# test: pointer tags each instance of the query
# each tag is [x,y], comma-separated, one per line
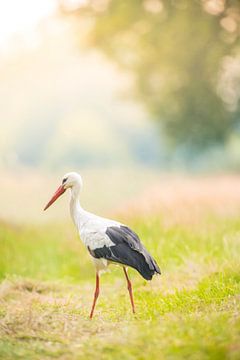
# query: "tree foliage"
[182,57]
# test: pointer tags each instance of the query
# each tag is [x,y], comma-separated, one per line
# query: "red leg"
[95,295]
[129,289]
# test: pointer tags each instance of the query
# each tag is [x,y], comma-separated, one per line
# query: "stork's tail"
[147,266]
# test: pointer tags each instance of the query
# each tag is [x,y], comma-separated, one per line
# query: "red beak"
[58,193]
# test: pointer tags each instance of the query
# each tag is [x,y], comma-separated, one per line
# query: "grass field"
[191,311]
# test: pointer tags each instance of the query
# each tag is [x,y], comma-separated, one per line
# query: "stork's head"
[70,180]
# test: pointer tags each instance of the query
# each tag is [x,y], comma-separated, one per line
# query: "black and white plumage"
[127,250]
[107,241]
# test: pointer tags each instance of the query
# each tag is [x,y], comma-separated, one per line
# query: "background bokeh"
[120,91]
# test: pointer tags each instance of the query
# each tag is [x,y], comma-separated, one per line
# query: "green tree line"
[183,58]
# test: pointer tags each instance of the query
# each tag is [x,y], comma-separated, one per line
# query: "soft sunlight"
[20,18]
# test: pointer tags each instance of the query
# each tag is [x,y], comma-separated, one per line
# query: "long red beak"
[58,193]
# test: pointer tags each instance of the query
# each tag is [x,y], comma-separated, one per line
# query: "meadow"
[191,311]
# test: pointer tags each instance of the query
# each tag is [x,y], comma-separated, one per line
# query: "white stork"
[107,241]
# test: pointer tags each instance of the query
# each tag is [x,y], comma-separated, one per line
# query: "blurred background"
[139,96]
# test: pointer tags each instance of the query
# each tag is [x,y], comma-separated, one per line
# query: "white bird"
[107,241]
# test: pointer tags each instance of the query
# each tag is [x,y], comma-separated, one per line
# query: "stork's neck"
[78,214]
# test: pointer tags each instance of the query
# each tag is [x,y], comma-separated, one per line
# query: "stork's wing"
[127,250]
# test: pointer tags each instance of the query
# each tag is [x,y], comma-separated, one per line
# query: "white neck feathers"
[77,213]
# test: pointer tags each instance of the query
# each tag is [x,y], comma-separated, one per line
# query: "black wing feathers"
[128,251]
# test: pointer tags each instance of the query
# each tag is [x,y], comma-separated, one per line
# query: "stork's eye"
[64,180]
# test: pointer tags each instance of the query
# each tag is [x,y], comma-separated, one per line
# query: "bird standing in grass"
[108,241]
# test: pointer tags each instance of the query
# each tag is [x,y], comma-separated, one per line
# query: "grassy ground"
[190,312]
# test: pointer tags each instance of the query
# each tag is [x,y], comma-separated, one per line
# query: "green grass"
[191,311]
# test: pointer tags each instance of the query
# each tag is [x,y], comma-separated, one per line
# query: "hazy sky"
[20,18]
[63,105]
